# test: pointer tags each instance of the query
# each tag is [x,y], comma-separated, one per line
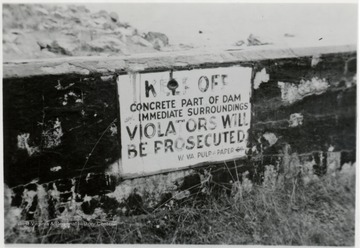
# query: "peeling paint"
[52,136]
[88,176]
[291,93]
[65,100]
[315,60]
[60,87]
[261,77]
[113,129]
[71,93]
[106,78]
[42,207]
[54,193]
[56,168]
[271,138]
[87,198]
[23,144]
[28,197]
[296,119]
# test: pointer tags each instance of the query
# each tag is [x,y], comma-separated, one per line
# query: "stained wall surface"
[62,136]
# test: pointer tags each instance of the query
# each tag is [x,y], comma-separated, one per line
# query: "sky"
[222,24]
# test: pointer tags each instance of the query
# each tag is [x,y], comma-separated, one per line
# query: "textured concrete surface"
[62,139]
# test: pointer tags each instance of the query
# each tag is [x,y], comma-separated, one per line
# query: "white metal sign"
[174,120]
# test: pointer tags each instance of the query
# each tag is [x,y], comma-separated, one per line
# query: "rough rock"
[159,40]
[240,43]
[253,40]
[106,44]
[45,31]
[114,17]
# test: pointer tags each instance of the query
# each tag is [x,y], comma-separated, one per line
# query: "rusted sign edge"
[160,61]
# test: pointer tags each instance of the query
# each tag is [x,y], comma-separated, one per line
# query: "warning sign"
[171,120]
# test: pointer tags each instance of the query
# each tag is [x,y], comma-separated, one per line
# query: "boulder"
[253,40]
[63,45]
[114,17]
[159,40]
[153,36]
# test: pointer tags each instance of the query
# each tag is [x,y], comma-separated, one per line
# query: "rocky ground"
[33,31]
[45,31]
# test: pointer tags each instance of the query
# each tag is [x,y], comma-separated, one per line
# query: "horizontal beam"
[159,61]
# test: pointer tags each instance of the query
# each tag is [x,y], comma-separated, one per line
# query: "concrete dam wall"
[111,136]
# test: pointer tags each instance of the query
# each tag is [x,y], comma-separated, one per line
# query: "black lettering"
[156,146]
[168,145]
[132,153]
[191,142]
[149,88]
[188,125]
[202,80]
[146,130]
[131,134]
[142,149]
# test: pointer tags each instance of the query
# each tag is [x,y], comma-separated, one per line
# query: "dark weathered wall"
[307,105]
[61,130]
[59,127]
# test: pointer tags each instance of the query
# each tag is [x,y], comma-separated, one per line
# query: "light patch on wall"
[56,168]
[106,78]
[60,87]
[315,60]
[54,193]
[296,119]
[42,208]
[271,138]
[87,198]
[52,136]
[65,100]
[23,144]
[114,168]
[291,93]
[28,197]
[113,129]
[261,77]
